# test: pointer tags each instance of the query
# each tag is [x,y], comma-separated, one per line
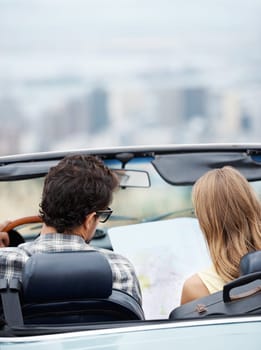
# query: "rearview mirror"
[132,178]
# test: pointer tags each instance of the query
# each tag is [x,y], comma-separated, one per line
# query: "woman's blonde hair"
[229,214]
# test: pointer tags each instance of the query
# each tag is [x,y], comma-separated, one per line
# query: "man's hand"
[4,238]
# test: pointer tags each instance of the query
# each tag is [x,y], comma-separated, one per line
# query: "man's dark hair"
[75,187]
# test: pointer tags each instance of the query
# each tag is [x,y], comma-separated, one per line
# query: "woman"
[229,214]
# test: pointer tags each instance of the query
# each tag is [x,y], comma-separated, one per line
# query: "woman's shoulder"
[193,288]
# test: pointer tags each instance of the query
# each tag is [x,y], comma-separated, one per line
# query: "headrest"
[250,263]
[66,276]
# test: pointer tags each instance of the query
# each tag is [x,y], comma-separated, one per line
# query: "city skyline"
[144,55]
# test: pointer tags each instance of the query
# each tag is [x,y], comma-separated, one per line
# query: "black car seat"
[72,287]
[250,263]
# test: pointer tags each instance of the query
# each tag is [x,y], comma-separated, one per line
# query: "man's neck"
[47,229]
[50,229]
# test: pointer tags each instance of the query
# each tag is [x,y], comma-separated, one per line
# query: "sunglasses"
[104,215]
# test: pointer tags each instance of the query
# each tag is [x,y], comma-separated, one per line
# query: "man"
[75,198]
[4,237]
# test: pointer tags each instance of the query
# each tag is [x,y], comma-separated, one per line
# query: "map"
[164,254]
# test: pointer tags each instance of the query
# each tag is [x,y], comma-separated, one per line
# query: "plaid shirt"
[12,260]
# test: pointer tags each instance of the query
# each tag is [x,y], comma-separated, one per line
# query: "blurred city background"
[85,73]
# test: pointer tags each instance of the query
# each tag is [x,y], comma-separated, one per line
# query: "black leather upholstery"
[63,275]
[73,287]
[250,263]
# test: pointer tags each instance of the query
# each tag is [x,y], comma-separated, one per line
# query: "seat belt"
[12,310]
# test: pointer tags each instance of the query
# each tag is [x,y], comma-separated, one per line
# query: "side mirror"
[132,178]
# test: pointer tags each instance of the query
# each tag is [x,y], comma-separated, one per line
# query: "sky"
[41,38]
[31,26]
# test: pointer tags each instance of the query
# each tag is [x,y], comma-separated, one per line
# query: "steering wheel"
[22,221]
[16,238]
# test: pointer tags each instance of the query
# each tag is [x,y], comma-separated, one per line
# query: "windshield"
[130,204]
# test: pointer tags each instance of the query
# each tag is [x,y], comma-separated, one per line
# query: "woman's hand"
[4,237]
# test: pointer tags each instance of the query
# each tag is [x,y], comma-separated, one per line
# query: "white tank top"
[211,279]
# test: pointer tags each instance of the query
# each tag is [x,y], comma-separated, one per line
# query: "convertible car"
[153,224]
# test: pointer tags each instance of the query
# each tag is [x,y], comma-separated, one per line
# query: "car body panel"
[212,334]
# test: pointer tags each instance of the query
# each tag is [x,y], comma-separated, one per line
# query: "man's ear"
[89,226]
[89,220]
